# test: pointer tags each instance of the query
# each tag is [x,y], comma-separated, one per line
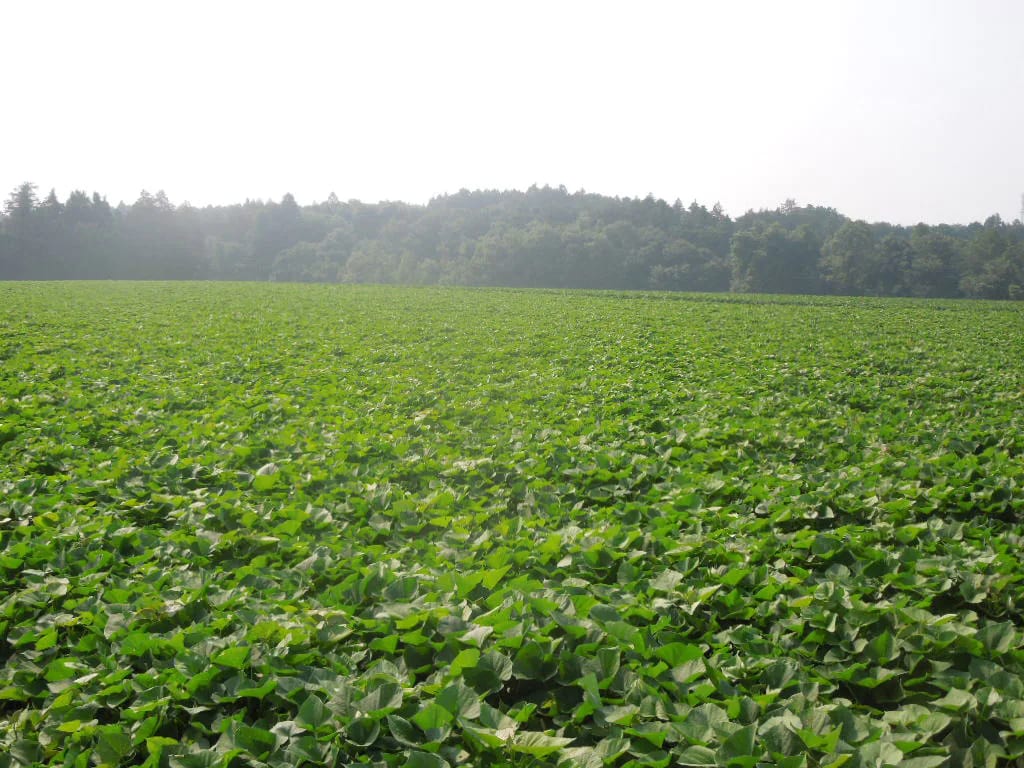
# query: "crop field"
[283,525]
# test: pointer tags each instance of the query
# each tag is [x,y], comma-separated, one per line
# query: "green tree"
[687,267]
[772,260]
[279,226]
[848,259]
[891,273]
[20,207]
[935,258]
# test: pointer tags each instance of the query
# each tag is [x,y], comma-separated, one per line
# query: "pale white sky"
[899,111]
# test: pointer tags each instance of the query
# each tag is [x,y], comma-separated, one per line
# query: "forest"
[541,237]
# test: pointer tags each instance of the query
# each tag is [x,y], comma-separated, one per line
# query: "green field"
[258,524]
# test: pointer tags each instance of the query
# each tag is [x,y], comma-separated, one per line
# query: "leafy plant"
[307,525]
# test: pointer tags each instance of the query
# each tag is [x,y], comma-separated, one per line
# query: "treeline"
[543,237]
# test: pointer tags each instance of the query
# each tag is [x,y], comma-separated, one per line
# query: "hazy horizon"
[899,113]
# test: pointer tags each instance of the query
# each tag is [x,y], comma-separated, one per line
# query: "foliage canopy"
[269,525]
[543,237]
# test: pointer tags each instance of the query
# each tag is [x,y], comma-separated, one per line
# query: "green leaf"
[234,657]
[139,644]
[999,638]
[610,748]
[265,482]
[883,648]
[477,636]
[418,759]
[822,742]
[925,761]
[256,741]
[492,576]
[460,700]
[957,699]
[604,666]
[205,758]
[112,744]
[676,654]
[388,644]
[47,640]
[305,748]
[734,576]
[532,662]
[432,716]
[697,755]
[490,673]
[536,743]
[312,714]
[580,757]
[362,731]
[403,732]
[27,751]
[465,659]
[619,715]
[258,692]
[667,580]
[287,730]
[880,753]
[386,697]
[739,744]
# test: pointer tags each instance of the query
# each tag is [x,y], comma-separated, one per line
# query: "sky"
[888,111]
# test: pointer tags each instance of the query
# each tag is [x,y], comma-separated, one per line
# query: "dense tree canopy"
[543,237]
